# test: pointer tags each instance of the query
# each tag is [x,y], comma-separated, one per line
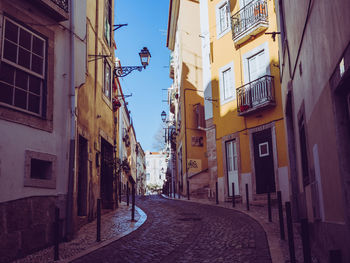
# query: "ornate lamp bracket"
[124,71]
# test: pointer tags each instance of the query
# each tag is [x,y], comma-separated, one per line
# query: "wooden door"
[232,166]
[263,162]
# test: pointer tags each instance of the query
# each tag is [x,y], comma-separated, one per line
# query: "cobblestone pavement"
[279,249]
[113,225]
[177,231]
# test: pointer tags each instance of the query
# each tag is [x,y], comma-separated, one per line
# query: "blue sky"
[147,26]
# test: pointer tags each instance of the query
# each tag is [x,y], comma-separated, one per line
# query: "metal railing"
[247,17]
[63,4]
[255,94]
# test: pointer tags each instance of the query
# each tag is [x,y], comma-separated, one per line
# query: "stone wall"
[26,225]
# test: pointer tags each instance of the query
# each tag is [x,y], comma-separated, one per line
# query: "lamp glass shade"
[144,57]
[163,115]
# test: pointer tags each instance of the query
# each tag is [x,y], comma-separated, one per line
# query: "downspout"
[187,181]
[69,221]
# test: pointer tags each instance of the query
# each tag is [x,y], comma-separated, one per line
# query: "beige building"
[95,129]
[314,64]
[187,97]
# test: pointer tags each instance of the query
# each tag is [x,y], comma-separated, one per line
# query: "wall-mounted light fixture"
[124,71]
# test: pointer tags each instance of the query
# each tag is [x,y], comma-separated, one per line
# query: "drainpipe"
[69,221]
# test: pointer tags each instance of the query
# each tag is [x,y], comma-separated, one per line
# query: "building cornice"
[172,23]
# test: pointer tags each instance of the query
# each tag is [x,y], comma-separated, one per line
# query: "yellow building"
[244,117]
[186,70]
[95,131]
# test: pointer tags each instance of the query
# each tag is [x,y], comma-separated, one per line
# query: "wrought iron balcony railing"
[250,20]
[255,95]
[56,9]
[63,4]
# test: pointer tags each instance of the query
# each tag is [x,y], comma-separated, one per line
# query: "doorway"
[232,166]
[106,185]
[263,162]
[82,183]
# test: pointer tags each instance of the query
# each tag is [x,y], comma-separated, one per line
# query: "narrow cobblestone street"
[178,231]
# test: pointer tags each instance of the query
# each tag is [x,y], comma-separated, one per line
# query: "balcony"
[255,95]
[57,9]
[249,21]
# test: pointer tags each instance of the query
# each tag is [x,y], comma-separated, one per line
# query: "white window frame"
[263,47]
[267,149]
[29,181]
[30,72]
[220,32]
[109,98]
[223,69]
[107,32]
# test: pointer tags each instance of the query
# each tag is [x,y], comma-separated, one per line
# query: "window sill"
[27,119]
[107,101]
[223,33]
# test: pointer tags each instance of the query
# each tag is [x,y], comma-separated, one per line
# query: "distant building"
[155,169]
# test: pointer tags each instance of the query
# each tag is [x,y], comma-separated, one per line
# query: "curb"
[275,250]
[132,228]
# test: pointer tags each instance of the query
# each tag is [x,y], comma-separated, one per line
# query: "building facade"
[140,171]
[95,129]
[244,117]
[39,74]
[187,94]
[314,64]
[155,170]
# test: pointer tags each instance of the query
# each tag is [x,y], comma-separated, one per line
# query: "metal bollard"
[178,194]
[188,190]
[280,215]
[269,206]
[305,240]
[57,233]
[233,195]
[217,193]
[133,203]
[98,221]
[290,233]
[120,192]
[335,256]
[127,193]
[247,196]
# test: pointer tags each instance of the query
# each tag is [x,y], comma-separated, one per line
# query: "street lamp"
[163,115]
[124,71]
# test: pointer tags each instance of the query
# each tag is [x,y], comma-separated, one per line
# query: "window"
[108,21]
[22,68]
[40,170]
[227,91]
[107,80]
[263,149]
[223,18]
[199,113]
[256,63]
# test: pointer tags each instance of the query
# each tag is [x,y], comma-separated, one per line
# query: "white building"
[40,43]
[156,166]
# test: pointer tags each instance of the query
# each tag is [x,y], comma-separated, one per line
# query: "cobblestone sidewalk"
[114,225]
[279,249]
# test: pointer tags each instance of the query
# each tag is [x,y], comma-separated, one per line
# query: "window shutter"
[228,14]
[217,11]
